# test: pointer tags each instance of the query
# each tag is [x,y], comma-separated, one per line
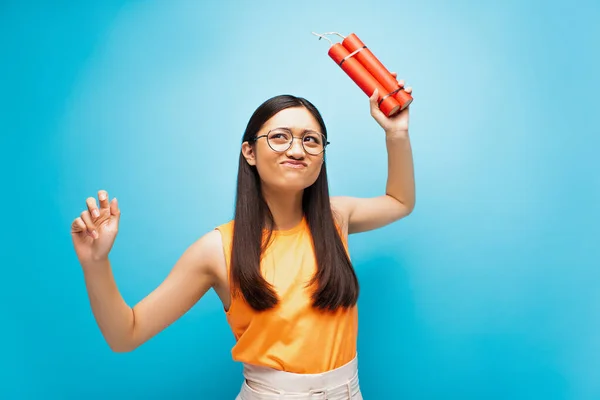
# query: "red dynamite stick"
[352,43]
[389,105]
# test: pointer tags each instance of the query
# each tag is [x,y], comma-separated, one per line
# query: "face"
[293,169]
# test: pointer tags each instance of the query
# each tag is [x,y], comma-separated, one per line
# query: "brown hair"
[337,285]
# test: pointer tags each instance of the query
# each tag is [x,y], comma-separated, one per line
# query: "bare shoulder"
[212,246]
[207,255]
[340,207]
[202,256]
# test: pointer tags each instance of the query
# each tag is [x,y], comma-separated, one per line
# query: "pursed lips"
[294,164]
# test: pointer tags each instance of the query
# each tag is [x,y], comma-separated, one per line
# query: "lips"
[294,164]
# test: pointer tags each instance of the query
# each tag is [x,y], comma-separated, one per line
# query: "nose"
[296,150]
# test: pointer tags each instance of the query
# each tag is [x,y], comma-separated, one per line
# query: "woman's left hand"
[397,124]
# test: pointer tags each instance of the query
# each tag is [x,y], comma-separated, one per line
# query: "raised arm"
[364,214]
[125,328]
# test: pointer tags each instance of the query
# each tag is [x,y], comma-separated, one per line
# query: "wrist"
[396,134]
[95,264]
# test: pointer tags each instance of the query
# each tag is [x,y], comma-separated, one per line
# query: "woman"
[283,274]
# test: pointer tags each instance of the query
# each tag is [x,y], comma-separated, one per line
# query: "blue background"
[489,290]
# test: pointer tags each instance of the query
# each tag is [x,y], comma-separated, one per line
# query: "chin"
[294,186]
[289,184]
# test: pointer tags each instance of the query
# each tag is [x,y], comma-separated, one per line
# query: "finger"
[114,207]
[103,197]
[89,225]
[374,97]
[373,100]
[78,225]
[92,208]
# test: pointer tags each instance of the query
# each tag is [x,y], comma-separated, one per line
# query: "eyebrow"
[290,129]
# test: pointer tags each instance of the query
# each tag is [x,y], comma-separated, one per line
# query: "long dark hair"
[336,282]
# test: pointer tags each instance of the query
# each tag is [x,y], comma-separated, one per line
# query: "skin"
[202,266]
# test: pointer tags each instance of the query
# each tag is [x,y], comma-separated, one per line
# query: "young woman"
[281,266]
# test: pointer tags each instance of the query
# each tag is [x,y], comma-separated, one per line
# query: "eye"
[312,138]
[279,137]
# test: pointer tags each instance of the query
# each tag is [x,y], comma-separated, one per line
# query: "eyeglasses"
[280,140]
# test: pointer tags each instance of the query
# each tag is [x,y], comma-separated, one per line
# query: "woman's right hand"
[95,230]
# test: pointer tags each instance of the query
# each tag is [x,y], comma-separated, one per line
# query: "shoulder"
[340,209]
[225,229]
[206,249]
[205,259]
[206,252]
[225,234]
[341,206]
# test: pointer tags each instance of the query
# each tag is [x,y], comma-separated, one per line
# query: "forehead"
[295,118]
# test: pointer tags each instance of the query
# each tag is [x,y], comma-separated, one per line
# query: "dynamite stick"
[357,51]
[363,78]
[376,68]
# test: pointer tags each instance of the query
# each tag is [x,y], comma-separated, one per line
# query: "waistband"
[269,380]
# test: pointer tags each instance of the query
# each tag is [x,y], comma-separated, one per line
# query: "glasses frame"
[266,135]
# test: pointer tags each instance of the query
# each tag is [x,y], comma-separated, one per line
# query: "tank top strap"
[226,231]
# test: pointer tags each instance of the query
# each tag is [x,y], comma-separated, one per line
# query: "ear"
[248,153]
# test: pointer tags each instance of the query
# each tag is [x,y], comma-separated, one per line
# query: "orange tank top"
[293,336]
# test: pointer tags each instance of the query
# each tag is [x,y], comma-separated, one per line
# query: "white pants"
[262,383]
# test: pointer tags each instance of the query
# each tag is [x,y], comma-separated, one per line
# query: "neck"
[286,208]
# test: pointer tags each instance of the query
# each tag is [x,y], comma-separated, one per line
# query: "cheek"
[265,171]
[314,170]
[317,171]
[266,163]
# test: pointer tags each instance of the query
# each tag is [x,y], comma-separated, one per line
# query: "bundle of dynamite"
[359,63]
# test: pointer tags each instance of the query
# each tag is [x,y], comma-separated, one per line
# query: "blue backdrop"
[489,290]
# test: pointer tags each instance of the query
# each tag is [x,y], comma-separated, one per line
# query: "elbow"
[409,207]
[123,344]
[122,347]
[406,207]
[406,203]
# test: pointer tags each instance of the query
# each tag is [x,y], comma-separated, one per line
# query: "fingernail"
[102,196]
[96,213]
[95,234]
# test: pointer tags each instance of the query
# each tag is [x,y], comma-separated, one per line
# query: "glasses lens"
[279,140]
[313,143]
